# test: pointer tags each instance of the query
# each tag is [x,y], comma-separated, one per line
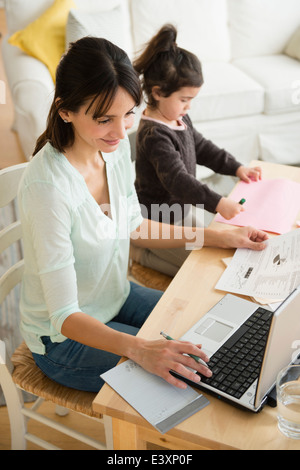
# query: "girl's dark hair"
[166,65]
[92,68]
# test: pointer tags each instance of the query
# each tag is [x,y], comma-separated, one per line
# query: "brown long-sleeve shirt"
[166,161]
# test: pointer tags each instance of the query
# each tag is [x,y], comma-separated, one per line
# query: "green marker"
[196,358]
[242,201]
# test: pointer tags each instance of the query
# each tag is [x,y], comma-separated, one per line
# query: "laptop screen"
[284,331]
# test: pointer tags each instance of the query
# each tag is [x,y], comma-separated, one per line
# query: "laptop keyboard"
[237,363]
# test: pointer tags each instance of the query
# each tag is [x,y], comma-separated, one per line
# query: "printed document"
[269,274]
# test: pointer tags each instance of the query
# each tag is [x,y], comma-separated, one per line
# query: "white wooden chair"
[26,375]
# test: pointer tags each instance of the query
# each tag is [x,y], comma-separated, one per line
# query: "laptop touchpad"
[213,329]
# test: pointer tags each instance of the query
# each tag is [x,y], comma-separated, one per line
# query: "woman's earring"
[65,120]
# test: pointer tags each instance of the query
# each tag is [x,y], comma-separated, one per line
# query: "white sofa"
[250,101]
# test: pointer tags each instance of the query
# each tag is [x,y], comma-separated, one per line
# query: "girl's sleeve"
[210,155]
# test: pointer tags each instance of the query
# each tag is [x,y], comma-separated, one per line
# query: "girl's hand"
[161,356]
[248,174]
[229,208]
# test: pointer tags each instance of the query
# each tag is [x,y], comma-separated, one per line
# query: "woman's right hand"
[161,356]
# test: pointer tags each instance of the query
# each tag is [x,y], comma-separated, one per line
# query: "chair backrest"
[9,183]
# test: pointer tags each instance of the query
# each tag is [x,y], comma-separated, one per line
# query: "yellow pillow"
[44,38]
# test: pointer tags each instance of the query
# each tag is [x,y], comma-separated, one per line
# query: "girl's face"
[177,104]
[103,133]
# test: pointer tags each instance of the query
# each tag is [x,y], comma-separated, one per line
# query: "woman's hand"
[244,237]
[161,356]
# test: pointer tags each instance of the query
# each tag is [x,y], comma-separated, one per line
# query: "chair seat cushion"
[29,377]
[150,277]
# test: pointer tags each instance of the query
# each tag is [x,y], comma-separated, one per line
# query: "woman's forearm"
[157,356]
[87,330]
[152,234]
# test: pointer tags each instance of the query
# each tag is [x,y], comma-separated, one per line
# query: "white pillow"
[102,5]
[261,27]
[293,47]
[19,13]
[109,24]
[201,24]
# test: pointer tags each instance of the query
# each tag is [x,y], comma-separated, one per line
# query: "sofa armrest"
[32,91]
[31,107]
[31,98]
[21,67]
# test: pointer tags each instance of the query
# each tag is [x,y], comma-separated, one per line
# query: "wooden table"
[220,425]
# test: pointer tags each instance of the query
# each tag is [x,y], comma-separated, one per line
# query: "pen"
[242,201]
[196,358]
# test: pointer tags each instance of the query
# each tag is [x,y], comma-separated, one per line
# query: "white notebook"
[160,403]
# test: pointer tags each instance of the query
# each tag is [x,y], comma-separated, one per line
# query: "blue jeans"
[78,366]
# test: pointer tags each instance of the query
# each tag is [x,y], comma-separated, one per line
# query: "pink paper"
[271,205]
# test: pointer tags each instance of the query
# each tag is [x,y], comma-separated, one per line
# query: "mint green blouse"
[76,257]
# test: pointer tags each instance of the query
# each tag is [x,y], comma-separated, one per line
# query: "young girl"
[78,207]
[168,147]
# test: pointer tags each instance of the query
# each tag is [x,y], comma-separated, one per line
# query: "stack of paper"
[271,274]
[271,205]
[160,403]
[272,303]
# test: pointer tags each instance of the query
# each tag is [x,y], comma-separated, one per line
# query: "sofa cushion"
[44,38]
[278,74]
[261,27]
[279,138]
[19,13]
[292,48]
[111,24]
[227,92]
[207,18]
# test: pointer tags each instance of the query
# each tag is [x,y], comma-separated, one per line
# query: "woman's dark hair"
[92,69]
[167,66]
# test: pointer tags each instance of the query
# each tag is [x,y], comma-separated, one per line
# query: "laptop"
[247,345]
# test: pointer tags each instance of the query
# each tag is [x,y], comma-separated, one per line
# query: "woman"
[78,209]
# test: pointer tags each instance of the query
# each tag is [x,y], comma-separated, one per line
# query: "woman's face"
[103,133]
